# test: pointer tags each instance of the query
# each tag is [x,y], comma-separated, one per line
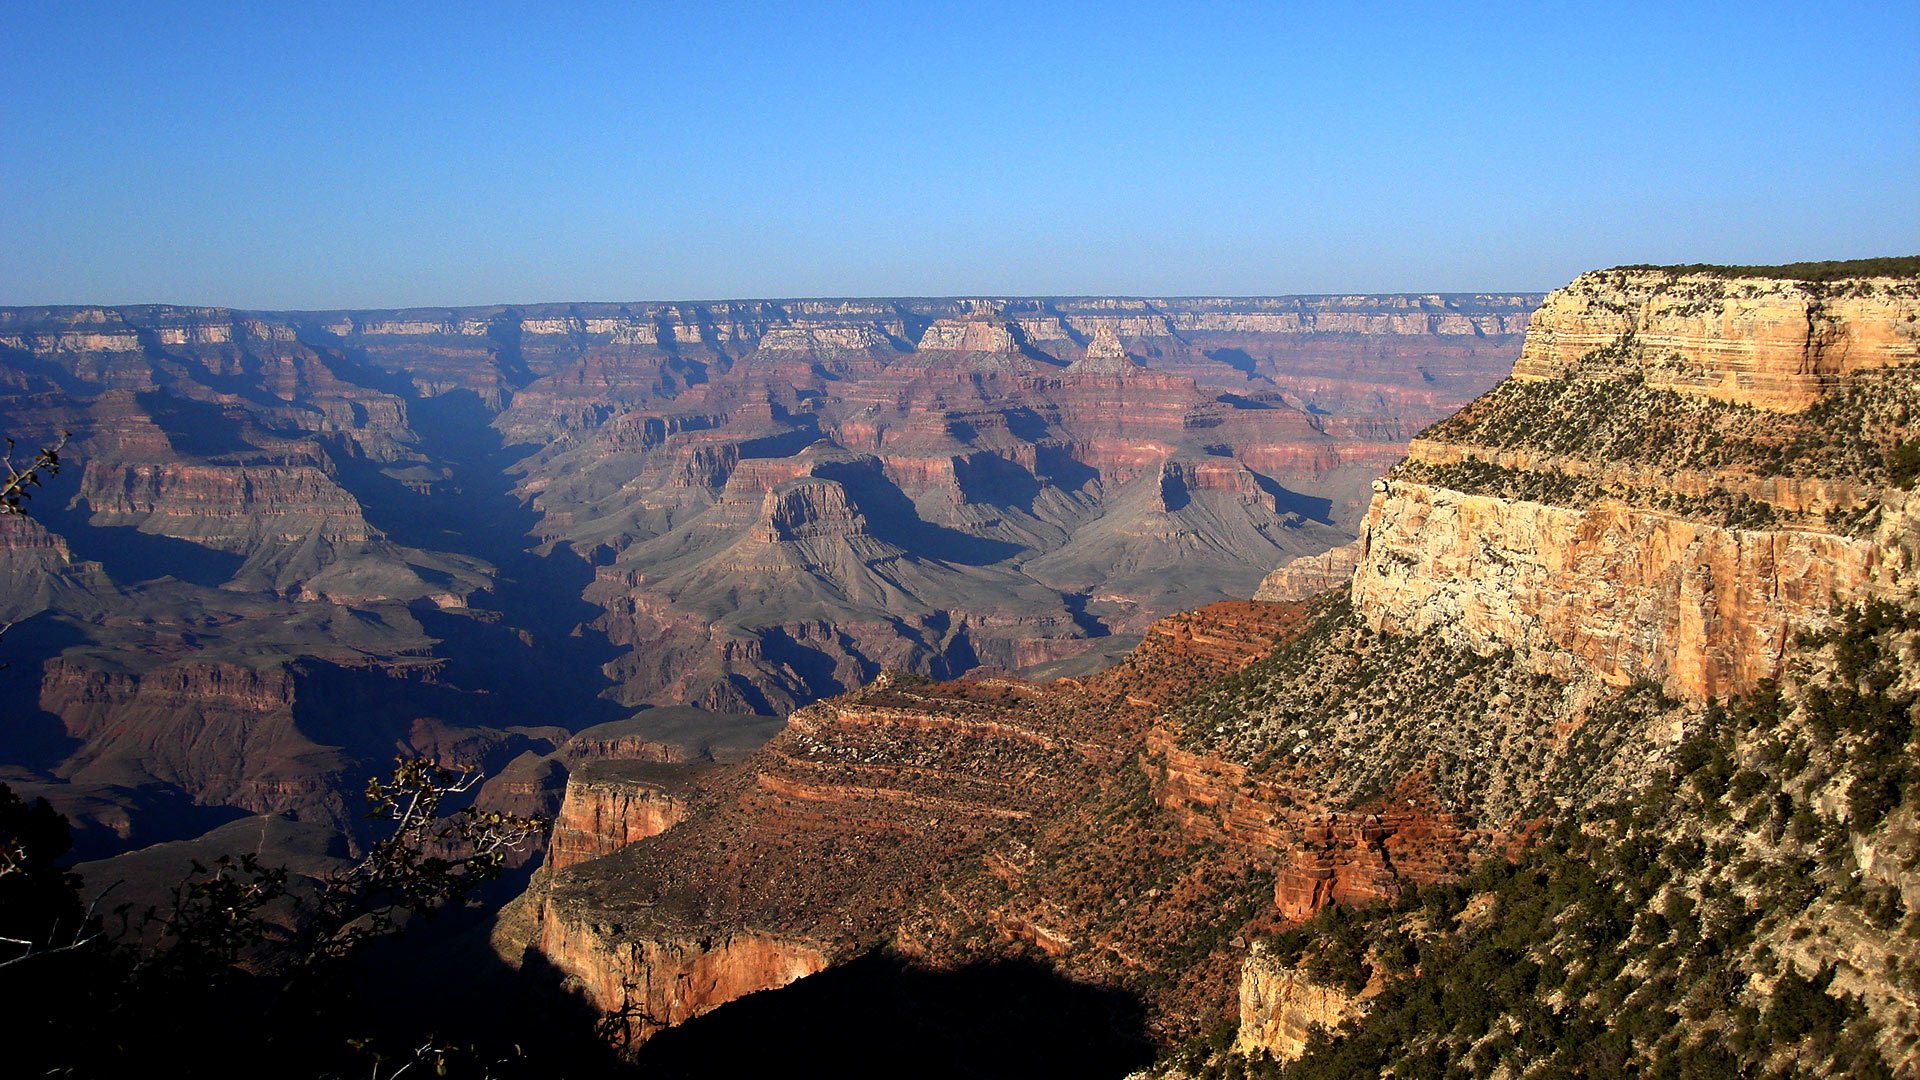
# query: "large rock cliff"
[1280,1007]
[838,835]
[1683,471]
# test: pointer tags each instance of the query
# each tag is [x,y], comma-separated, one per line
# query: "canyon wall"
[1310,575]
[1703,609]
[609,805]
[654,983]
[1771,343]
[1683,471]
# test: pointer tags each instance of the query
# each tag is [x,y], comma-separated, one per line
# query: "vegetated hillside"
[1563,783]
[1829,270]
[1743,911]
[1695,485]
[288,545]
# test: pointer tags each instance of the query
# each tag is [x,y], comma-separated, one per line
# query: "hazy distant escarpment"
[289,543]
[1596,759]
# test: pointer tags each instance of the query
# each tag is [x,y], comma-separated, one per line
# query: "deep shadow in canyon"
[526,639]
[881,1016]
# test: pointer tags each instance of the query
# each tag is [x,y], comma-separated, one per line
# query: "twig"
[13,490]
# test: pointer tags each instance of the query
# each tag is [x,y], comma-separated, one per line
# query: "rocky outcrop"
[1280,1007]
[227,508]
[1770,343]
[799,859]
[969,335]
[1702,609]
[824,842]
[643,986]
[1310,575]
[1105,355]
[609,805]
[1319,855]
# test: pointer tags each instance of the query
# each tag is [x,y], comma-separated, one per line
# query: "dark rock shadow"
[1239,402]
[992,479]
[129,555]
[1288,501]
[32,364]
[1088,623]
[893,518]
[1237,359]
[1060,468]
[785,444]
[1025,424]
[881,1016]
[199,428]
[159,813]
[815,669]
[1031,351]
[29,735]
[371,715]
[1174,494]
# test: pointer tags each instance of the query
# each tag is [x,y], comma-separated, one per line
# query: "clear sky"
[400,153]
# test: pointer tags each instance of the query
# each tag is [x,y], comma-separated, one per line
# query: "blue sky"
[362,155]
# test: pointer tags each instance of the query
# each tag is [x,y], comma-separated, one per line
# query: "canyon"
[870,651]
[1672,509]
[290,545]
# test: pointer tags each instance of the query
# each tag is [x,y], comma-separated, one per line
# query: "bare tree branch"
[79,940]
[13,488]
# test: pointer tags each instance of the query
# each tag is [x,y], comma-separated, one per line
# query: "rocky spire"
[1105,354]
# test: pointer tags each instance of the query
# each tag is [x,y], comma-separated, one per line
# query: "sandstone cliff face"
[1310,575]
[1773,344]
[1280,1008]
[1319,856]
[646,985]
[1617,509]
[1703,610]
[608,806]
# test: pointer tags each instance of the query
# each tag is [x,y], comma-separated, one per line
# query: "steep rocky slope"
[290,545]
[820,846]
[1505,746]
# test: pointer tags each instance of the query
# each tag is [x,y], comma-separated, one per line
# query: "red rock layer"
[813,848]
[611,805]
